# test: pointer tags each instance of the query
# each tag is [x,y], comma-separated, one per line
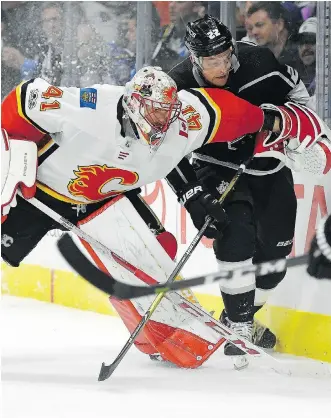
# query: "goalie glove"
[319,264]
[304,142]
[19,160]
[200,203]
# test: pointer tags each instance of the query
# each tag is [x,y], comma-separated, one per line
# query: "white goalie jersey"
[89,157]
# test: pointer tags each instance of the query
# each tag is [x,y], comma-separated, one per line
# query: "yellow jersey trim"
[218,114]
[46,147]
[59,196]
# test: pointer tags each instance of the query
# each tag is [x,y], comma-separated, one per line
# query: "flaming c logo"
[169,94]
[91,181]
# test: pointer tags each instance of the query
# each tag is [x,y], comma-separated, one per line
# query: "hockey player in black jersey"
[319,264]
[262,209]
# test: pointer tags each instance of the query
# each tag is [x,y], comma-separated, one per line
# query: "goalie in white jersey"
[94,147]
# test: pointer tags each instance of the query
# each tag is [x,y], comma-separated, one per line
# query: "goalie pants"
[262,214]
[27,225]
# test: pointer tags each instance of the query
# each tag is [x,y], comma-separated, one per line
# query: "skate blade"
[240,362]
[157,357]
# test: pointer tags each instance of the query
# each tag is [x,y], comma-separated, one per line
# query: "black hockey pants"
[262,214]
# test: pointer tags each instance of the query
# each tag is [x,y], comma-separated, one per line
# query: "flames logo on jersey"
[91,181]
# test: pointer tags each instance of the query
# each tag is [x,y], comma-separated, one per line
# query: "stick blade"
[105,372]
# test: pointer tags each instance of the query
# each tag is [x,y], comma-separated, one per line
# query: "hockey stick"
[174,297]
[82,264]
[192,309]
[107,370]
[121,290]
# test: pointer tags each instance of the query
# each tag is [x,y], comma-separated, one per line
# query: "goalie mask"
[151,102]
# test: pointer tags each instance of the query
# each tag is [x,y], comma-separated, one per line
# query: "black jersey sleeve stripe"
[211,111]
[22,99]
[47,153]
[264,77]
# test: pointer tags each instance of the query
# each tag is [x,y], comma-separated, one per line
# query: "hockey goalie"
[85,153]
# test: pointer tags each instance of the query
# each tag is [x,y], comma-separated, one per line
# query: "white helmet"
[152,103]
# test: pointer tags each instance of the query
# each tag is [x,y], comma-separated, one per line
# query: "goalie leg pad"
[169,243]
[178,346]
[130,238]
[187,350]
[131,318]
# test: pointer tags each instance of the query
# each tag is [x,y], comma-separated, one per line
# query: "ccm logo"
[284,243]
[190,193]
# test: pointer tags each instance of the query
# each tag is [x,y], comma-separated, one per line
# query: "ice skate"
[244,329]
[261,336]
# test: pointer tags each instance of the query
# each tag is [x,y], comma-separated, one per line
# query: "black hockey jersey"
[259,78]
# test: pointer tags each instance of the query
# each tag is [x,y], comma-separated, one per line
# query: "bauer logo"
[88,98]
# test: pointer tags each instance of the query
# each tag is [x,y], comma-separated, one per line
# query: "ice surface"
[51,358]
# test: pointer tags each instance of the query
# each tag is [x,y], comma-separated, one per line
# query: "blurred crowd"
[85,43]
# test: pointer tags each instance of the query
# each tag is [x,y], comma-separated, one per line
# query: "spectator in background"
[306,65]
[50,60]
[307,9]
[22,33]
[122,52]
[271,27]
[11,61]
[242,19]
[294,13]
[106,43]
[117,57]
[47,62]
[93,56]
[19,42]
[170,49]
[162,8]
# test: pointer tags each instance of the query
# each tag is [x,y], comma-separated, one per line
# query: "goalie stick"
[66,244]
[280,366]
[107,370]
[121,290]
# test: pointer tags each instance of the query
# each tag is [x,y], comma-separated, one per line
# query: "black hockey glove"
[319,264]
[200,203]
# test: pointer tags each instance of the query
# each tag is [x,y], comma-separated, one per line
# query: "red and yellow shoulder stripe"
[14,118]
